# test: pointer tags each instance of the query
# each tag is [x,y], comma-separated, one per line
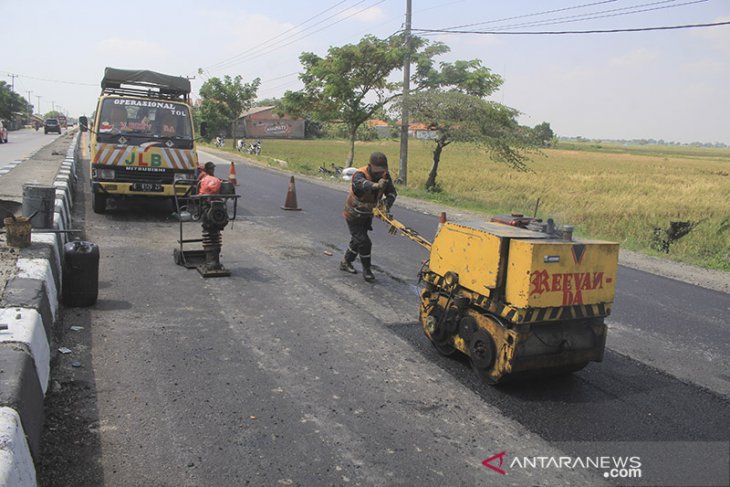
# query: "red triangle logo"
[487,463]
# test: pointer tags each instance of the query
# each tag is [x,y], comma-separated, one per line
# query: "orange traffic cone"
[291,197]
[442,220]
[232,174]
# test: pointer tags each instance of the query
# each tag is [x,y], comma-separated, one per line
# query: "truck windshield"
[145,118]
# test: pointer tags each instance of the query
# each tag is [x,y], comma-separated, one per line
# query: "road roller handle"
[395,226]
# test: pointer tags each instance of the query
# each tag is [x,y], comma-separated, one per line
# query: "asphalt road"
[24,143]
[291,372]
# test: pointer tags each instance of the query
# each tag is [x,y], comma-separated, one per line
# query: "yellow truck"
[516,295]
[142,138]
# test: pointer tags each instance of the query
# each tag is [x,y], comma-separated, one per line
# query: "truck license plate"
[147,187]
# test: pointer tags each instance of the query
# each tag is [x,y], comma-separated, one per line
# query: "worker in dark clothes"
[370,184]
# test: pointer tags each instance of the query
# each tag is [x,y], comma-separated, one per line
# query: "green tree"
[224,100]
[455,116]
[454,108]
[468,77]
[351,84]
[267,102]
[10,102]
[543,135]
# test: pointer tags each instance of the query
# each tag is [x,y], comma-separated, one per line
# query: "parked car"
[3,133]
[52,125]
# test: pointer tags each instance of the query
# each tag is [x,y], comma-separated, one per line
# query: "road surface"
[291,372]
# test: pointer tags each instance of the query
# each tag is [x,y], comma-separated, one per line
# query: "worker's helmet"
[378,163]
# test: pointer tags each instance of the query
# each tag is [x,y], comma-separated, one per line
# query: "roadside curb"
[29,311]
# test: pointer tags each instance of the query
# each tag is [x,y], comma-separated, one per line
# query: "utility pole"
[30,104]
[12,90]
[39,105]
[403,169]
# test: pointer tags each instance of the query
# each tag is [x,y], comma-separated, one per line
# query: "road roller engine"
[517,295]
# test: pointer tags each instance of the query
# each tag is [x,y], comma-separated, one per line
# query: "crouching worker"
[207,182]
[370,184]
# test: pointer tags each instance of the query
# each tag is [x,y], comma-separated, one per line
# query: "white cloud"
[717,37]
[131,47]
[640,57]
[372,14]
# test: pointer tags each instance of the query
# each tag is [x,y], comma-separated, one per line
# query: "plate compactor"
[516,295]
[213,213]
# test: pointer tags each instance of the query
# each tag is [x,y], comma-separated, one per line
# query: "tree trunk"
[431,181]
[351,155]
[233,135]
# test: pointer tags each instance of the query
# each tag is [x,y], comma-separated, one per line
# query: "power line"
[291,83]
[272,49]
[257,50]
[617,12]
[606,31]
[280,77]
[545,12]
[271,89]
[276,36]
[53,80]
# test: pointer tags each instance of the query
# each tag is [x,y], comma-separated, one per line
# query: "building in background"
[263,122]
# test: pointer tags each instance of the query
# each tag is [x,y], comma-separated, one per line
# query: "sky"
[672,85]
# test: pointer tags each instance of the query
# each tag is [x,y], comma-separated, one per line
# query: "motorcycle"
[255,148]
[220,142]
[335,171]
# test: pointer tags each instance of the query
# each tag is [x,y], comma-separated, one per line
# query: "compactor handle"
[395,226]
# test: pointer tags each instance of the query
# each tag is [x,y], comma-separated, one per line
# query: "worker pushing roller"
[370,184]
[516,295]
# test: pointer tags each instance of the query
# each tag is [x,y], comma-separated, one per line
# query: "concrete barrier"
[30,309]
[16,464]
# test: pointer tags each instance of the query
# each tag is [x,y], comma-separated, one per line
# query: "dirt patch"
[8,260]
[70,434]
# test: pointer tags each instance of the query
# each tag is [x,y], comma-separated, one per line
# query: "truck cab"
[142,137]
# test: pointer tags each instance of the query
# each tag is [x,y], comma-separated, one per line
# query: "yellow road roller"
[517,295]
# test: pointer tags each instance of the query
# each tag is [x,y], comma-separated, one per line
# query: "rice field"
[606,191]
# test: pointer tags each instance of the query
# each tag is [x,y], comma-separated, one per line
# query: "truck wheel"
[98,202]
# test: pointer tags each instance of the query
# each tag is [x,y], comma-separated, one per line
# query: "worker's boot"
[367,272]
[346,264]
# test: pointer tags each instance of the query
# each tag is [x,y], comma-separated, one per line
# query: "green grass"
[611,192]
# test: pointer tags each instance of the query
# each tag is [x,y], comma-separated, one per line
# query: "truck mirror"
[204,129]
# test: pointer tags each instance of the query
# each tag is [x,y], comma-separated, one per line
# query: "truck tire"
[98,202]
